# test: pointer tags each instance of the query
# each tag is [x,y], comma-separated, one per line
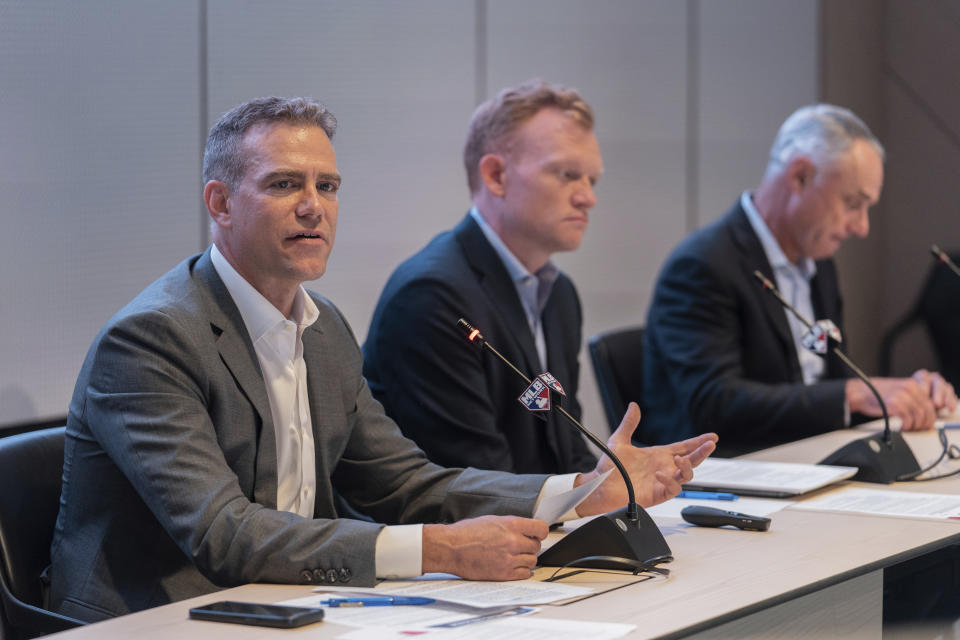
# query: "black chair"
[31,466]
[617,358]
[938,310]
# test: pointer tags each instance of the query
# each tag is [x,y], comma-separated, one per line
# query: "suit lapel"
[499,288]
[753,257]
[323,391]
[237,352]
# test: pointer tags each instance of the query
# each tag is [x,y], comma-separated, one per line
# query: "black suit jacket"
[457,402]
[718,355]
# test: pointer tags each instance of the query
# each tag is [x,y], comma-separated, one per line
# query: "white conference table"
[812,574]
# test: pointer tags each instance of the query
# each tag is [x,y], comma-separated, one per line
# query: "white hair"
[820,132]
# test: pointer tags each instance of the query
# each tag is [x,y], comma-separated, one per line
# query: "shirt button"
[345,575]
[306,576]
[331,575]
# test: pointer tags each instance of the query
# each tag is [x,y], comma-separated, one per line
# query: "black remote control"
[714,517]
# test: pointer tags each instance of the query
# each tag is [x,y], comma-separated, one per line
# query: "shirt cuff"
[555,485]
[399,551]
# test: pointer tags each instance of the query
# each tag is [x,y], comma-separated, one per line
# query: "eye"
[330,187]
[568,175]
[854,204]
[283,184]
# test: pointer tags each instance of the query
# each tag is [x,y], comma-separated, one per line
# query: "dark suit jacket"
[457,402]
[170,479]
[718,355]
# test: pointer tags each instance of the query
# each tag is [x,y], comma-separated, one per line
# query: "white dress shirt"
[793,281]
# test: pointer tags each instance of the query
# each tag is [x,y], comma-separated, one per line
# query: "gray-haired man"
[720,354]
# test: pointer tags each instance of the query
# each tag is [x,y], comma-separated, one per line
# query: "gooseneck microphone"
[941,255]
[627,533]
[882,458]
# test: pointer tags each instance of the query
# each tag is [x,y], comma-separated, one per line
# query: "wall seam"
[204,107]
[480,51]
[693,115]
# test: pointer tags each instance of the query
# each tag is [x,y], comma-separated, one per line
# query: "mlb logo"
[818,337]
[552,382]
[536,397]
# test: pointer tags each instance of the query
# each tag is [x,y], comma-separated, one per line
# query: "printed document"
[887,502]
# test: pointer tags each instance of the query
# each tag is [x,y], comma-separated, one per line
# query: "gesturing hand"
[657,472]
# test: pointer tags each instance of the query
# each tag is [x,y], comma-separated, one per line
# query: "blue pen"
[951,425]
[706,495]
[377,601]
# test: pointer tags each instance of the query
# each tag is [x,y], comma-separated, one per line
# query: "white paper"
[476,593]
[887,502]
[750,506]
[788,477]
[518,628]
[552,508]
[415,616]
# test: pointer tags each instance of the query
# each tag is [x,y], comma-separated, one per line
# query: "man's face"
[835,203]
[282,216]
[551,169]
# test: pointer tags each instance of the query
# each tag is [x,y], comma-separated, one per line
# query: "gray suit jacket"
[170,480]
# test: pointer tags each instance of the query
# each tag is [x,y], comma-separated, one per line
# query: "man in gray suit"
[221,428]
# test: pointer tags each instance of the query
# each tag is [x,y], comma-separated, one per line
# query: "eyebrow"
[292,173]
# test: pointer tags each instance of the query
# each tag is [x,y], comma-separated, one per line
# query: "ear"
[800,173]
[492,169]
[216,195]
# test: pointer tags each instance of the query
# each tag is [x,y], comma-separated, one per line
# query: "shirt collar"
[775,255]
[547,274]
[259,315]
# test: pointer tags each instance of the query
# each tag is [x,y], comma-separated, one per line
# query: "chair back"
[617,358]
[938,310]
[31,467]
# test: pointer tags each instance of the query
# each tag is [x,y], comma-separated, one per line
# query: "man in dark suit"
[220,422]
[532,162]
[721,354]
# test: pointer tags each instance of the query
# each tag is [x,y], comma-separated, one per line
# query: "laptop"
[765,479]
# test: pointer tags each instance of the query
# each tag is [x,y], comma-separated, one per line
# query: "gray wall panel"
[757,63]
[98,177]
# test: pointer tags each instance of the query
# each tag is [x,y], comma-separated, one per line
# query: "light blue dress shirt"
[533,289]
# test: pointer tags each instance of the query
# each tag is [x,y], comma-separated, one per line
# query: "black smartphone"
[261,615]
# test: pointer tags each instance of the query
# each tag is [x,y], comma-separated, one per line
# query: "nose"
[584,196]
[311,205]
[860,223]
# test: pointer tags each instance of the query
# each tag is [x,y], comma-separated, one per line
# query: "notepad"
[765,479]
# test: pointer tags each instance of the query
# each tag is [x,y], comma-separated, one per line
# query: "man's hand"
[485,548]
[657,472]
[940,391]
[915,400]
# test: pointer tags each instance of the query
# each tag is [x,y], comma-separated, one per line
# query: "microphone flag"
[536,397]
[820,335]
[552,382]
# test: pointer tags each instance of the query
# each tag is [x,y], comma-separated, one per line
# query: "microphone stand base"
[610,534]
[878,461]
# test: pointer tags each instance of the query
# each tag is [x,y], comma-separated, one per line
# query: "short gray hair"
[222,159]
[819,131]
[494,122]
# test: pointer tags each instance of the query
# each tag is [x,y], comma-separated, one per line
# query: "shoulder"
[174,298]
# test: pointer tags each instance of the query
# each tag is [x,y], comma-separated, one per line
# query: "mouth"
[308,236]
